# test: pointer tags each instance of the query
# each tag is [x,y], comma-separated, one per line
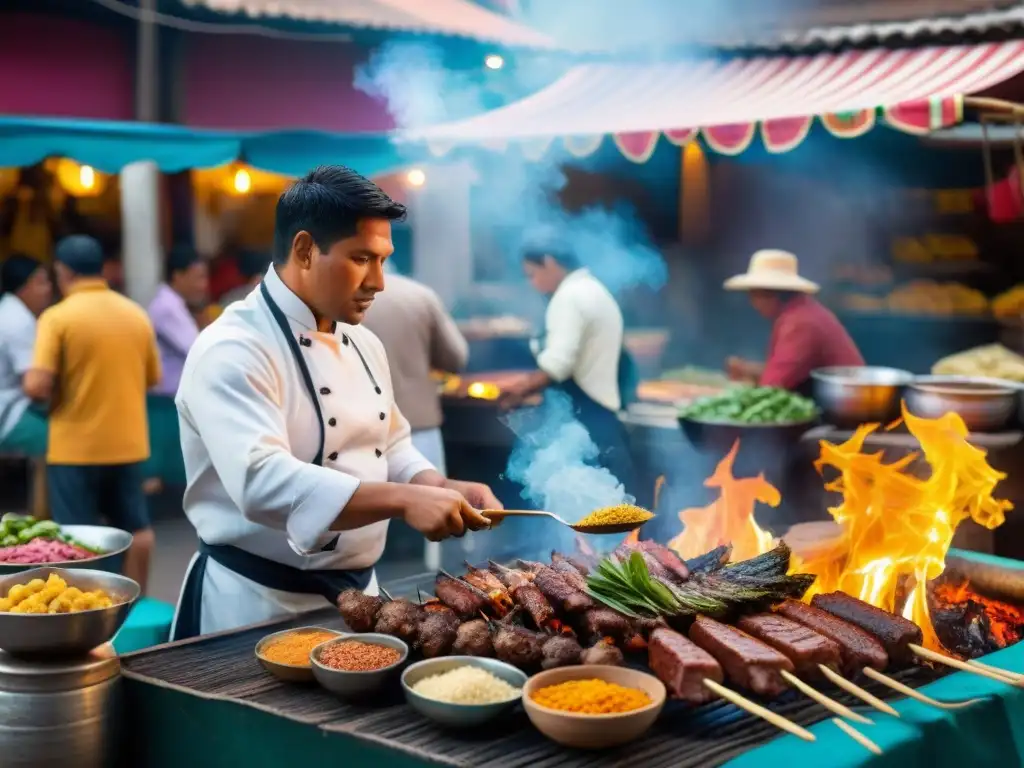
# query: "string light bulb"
[87,177]
[416,177]
[243,181]
[494,61]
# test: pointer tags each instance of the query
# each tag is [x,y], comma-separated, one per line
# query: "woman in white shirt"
[295,453]
[581,354]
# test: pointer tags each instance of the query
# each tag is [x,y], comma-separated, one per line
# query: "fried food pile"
[52,596]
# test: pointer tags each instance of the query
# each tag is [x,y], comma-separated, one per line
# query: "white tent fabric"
[615,98]
[458,18]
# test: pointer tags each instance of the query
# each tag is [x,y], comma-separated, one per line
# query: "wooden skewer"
[831,705]
[866,696]
[758,711]
[906,690]
[857,736]
[1016,677]
[963,666]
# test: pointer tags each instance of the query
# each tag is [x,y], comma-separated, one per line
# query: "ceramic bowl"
[594,731]
[358,685]
[459,715]
[290,673]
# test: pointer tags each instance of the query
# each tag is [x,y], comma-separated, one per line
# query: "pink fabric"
[804,337]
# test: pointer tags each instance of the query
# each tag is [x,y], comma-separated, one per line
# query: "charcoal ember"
[965,629]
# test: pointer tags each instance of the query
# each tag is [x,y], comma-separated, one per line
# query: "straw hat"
[772,270]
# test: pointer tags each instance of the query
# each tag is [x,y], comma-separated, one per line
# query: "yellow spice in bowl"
[294,647]
[591,697]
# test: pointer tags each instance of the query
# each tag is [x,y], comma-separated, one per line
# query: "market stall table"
[208,702]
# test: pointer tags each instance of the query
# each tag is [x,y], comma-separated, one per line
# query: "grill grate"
[224,666]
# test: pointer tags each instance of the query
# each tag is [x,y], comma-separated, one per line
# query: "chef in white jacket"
[295,454]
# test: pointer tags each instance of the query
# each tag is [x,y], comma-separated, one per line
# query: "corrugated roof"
[455,18]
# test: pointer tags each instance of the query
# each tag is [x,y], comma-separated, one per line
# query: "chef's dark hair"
[16,271]
[180,259]
[565,259]
[328,202]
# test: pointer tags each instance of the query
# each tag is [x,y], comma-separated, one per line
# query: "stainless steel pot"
[985,405]
[58,713]
[853,395]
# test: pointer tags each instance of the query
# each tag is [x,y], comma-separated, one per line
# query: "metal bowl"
[113,541]
[358,685]
[985,405]
[50,634]
[289,673]
[853,395]
[721,435]
[460,715]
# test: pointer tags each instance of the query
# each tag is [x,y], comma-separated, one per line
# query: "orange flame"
[897,527]
[730,519]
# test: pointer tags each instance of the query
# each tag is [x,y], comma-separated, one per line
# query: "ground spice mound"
[591,697]
[294,647]
[620,514]
[357,656]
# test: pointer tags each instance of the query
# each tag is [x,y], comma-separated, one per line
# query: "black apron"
[267,573]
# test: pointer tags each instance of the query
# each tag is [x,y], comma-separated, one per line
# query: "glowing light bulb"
[416,177]
[87,177]
[494,61]
[243,181]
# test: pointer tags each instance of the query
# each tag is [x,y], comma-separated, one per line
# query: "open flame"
[729,519]
[897,527]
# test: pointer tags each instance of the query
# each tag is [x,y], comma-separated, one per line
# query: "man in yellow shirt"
[95,357]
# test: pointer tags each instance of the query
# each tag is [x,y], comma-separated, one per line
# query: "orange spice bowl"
[572,729]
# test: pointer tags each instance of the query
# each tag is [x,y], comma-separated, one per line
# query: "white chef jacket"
[249,430]
[583,332]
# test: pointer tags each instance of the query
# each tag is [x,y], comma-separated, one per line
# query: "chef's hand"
[477,494]
[438,513]
[739,369]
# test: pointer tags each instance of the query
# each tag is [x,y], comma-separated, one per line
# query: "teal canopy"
[109,146]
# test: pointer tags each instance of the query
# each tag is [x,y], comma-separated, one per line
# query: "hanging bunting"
[785,134]
[926,115]
[681,137]
[583,146]
[849,125]
[730,139]
[637,147]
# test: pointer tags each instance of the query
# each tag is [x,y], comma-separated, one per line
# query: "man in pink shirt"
[805,334]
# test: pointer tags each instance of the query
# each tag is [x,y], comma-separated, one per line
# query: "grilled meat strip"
[858,649]
[530,566]
[746,660]
[532,600]
[437,633]
[578,563]
[560,651]
[510,577]
[473,638]
[491,586]
[359,609]
[894,632]
[804,647]
[682,666]
[603,652]
[667,559]
[462,597]
[604,622]
[399,618]
[561,593]
[517,645]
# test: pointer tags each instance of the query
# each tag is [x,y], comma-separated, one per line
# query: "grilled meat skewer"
[603,652]
[746,660]
[516,645]
[683,666]
[359,609]
[526,595]
[491,586]
[858,649]
[462,597]
[473,638]
[399,618]
[604,622]
[804,647]
[561,593]
[560,651]
[894,632]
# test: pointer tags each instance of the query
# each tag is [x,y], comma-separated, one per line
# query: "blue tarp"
[109,146]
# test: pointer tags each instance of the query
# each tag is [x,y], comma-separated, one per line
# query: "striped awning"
[452,18]
[730,101]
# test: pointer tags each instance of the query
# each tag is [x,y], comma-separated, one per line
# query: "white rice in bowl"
[466,685]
